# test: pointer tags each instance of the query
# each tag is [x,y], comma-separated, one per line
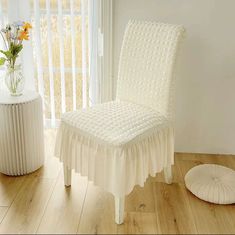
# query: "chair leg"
[168,174]
[67,176]
[119,209]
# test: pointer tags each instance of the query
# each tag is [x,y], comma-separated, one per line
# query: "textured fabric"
[146,65]
[118,144]
[116,123]
[212,183]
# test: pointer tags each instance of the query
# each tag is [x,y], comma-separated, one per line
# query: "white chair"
[118,144]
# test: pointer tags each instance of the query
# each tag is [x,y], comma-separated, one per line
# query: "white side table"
[21,133]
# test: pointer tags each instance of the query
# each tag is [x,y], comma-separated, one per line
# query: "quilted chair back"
[146,65]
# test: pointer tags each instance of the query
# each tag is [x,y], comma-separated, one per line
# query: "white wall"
[205,120]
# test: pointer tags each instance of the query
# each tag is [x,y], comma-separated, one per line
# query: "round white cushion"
[212,183]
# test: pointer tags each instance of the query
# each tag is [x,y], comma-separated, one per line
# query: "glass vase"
[14,80]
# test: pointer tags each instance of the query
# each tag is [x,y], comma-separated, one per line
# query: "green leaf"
[2,60]
[3,52]
[19,48]
[8,53]
[15,48]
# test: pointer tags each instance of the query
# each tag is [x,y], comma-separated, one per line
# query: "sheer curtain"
[68,59]
[10,11]
[60,43]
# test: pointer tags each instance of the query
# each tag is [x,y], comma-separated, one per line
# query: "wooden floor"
[39,203]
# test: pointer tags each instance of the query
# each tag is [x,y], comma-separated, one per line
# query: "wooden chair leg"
[168,174]
[119,209]
[67,176]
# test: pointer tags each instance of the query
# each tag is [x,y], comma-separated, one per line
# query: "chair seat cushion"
[117,145]
[115,123]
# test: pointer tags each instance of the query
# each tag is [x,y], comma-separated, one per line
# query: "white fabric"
[212,183]
[118,144]
[116,123]
[146,65]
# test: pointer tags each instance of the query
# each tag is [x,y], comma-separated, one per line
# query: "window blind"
[68,59]
[60,30]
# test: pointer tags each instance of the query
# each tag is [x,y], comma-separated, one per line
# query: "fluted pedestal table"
[21,133]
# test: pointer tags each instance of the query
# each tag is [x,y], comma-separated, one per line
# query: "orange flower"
[27,26]
[23,35]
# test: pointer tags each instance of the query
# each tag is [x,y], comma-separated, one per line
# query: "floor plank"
[139,223]
[98,212]
[3,211]
[141,199]
[64,207]
[226,217]
[228,160]
[27,209]
[9,187]
[210,218]
[186,162]
[50,169]
[173,210]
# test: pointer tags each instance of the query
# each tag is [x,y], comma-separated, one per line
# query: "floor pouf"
[212,183]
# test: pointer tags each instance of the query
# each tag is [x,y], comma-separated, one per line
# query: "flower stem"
[4,41]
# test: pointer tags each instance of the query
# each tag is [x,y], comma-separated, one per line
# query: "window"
[60,45]
[70,54]
[60,52]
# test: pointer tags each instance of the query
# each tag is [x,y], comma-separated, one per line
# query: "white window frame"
[101,56]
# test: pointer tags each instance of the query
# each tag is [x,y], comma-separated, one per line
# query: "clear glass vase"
[14,80]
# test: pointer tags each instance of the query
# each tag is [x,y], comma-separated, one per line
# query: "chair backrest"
[146,65]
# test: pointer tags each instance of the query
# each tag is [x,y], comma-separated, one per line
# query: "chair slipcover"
[118,144]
